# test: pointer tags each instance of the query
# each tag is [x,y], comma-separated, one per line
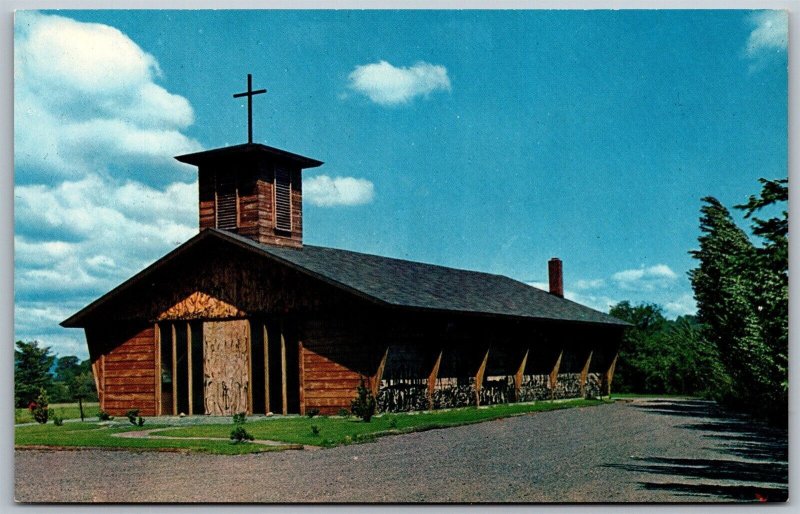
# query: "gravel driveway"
[641,451]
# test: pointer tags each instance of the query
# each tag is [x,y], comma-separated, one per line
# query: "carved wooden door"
[225,366]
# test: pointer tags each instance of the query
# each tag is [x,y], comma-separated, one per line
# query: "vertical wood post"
[554,375]
[584,374]
[249,371]
[519,374]
[284,406]
[189,366]
[479,378]
[266,369]
[157,343]
[174,370]
[610,373]
[376,379]
[301,377]
[432,378]
[101,393]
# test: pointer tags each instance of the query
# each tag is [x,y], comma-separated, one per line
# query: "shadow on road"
[753,463]
[736,493]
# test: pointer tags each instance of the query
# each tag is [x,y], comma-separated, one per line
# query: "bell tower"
[252,189]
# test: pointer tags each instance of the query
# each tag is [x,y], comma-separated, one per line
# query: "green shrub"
[40,411]
[104,416]
[132,415]
[315,429]
[140,421]
[364,404]
[344,412]
[393,422]
[57,420]
[240,435]
[240,418]
[312,412]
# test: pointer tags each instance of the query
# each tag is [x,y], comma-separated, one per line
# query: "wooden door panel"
[225,362]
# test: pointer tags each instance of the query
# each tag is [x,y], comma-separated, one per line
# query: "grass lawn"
[65,410]
[332,431]
[97,436]
[336,430]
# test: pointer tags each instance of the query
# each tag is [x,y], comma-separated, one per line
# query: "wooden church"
[245,317]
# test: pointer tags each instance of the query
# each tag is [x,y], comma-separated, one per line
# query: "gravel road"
[641,451]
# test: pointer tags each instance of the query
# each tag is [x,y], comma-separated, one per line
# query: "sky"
[484,140]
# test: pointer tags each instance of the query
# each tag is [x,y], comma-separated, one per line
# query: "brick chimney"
[556,277]
[252,190]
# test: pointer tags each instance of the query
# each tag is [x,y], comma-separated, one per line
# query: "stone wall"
[404,395]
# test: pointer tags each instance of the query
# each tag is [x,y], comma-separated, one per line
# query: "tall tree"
[771,288]
[82,388]
[31,371]
[728,287]
[66,368]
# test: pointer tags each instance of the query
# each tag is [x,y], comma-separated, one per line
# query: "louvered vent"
[226,202]
[283,200]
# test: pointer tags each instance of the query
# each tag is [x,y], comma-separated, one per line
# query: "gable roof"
[393,282]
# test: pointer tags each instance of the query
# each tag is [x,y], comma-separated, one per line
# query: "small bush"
[312,412]
[364,404]
[240,418]
[347,439]
[40,411]
[132,415]
[104,416]
[315,429]
[344,413]
[240,435]
[58,420]
[140,421]
[393,423]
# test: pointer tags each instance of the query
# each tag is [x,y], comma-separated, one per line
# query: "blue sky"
[482,140]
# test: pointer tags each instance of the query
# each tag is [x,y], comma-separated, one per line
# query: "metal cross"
[249,94]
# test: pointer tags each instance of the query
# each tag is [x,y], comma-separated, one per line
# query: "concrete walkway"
[151,434]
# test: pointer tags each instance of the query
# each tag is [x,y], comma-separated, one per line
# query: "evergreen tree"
[31,371]
[729,290]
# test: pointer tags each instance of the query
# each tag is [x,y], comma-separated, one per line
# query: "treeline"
[736,349]
[63,379]
[662,356]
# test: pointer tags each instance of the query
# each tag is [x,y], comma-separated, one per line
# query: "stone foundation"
[406,395]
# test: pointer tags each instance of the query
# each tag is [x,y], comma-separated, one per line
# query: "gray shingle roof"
[405,283]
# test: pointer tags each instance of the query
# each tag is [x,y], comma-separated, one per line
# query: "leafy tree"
[66,368]
[740,303]
[82,388]
[31,371]
[771,288]
[663,356]
[633,364]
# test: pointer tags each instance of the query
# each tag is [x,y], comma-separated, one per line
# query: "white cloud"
[645,279]
[85,101]
[601,303]
[325,191]
[770,32]
[386,84]
[86,106]
[107,234]
[594,283]
[681,306]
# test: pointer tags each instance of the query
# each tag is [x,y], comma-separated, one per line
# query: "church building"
[245,317]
